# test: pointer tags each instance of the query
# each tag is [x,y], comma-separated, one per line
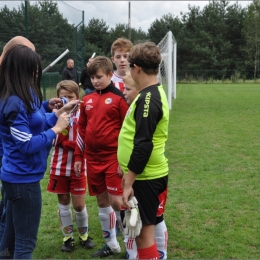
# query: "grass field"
[214,192]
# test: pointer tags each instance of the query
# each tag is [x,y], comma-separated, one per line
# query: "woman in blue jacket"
[27,133]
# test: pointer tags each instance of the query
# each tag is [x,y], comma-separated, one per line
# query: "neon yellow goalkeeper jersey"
[141,142]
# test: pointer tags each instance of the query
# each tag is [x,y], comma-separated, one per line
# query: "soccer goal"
[167,69]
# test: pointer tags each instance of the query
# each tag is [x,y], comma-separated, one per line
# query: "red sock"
[148,253]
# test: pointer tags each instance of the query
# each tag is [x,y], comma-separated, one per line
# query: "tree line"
[217,41]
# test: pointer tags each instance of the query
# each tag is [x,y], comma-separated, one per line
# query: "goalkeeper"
[141,145]
[131,90]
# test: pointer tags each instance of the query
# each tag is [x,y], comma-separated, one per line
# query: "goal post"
[167,68]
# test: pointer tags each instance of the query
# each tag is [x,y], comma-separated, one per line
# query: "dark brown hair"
[147,56]
[100,63]
[20,75]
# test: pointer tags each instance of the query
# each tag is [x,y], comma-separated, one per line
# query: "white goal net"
[167,69]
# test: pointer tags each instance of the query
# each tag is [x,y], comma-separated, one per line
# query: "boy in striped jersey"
[119,53]
[63,180]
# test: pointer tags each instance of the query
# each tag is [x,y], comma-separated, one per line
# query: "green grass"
[214,192]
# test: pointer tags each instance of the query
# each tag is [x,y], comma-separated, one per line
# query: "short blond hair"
[130,81]
[68,85]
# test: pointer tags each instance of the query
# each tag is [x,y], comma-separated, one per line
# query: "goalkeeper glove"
[132,220]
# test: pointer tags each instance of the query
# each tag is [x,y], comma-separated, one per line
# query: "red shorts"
[64,184]
[162,200]
[103,176]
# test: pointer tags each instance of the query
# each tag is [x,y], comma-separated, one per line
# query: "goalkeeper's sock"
[161,238]
[131,249]
[107,219]
[148,253]
[65,215]
[82,221]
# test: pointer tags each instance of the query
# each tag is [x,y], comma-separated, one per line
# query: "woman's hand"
[68,107]
[62,123]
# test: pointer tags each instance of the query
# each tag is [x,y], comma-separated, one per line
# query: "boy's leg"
[65,215]
[146,193]
[60,186]
[78,191]
[161,238]
[160,229]
[97,187]
[81,216]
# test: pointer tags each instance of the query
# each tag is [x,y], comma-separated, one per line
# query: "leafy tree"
[11,24]
[159,28]
[50,32]
[121,30]
[234,19]
[97,33]
[251,33]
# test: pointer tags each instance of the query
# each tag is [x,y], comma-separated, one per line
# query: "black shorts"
[146,193]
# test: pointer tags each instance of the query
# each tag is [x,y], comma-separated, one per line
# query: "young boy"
[120,49]
[160,229]
[141,144]
[101,117]
[63,180]
[119,53]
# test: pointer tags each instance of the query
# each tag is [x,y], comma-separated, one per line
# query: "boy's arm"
[146,119]
[80,143]
[68,145]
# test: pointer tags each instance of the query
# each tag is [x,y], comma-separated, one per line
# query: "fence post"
[26,17]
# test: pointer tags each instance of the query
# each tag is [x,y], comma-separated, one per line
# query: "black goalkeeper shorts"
[146,193]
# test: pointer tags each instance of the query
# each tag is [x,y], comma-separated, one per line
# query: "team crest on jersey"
[108,101]
[106,234]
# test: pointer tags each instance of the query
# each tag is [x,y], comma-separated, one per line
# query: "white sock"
[161,237]
[82,221]
[66,220]
[107,219]
[131,249]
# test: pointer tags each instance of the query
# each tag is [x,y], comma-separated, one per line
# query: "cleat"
[88,244]
[68,244]
[106,251]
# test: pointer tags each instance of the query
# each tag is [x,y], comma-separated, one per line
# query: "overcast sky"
[143,13]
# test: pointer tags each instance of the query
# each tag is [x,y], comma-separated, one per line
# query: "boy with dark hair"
[160,229]
[101,117]
[141,145]
[119,53]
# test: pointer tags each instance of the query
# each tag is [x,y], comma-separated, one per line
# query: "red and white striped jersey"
[62,160]
[118,82]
